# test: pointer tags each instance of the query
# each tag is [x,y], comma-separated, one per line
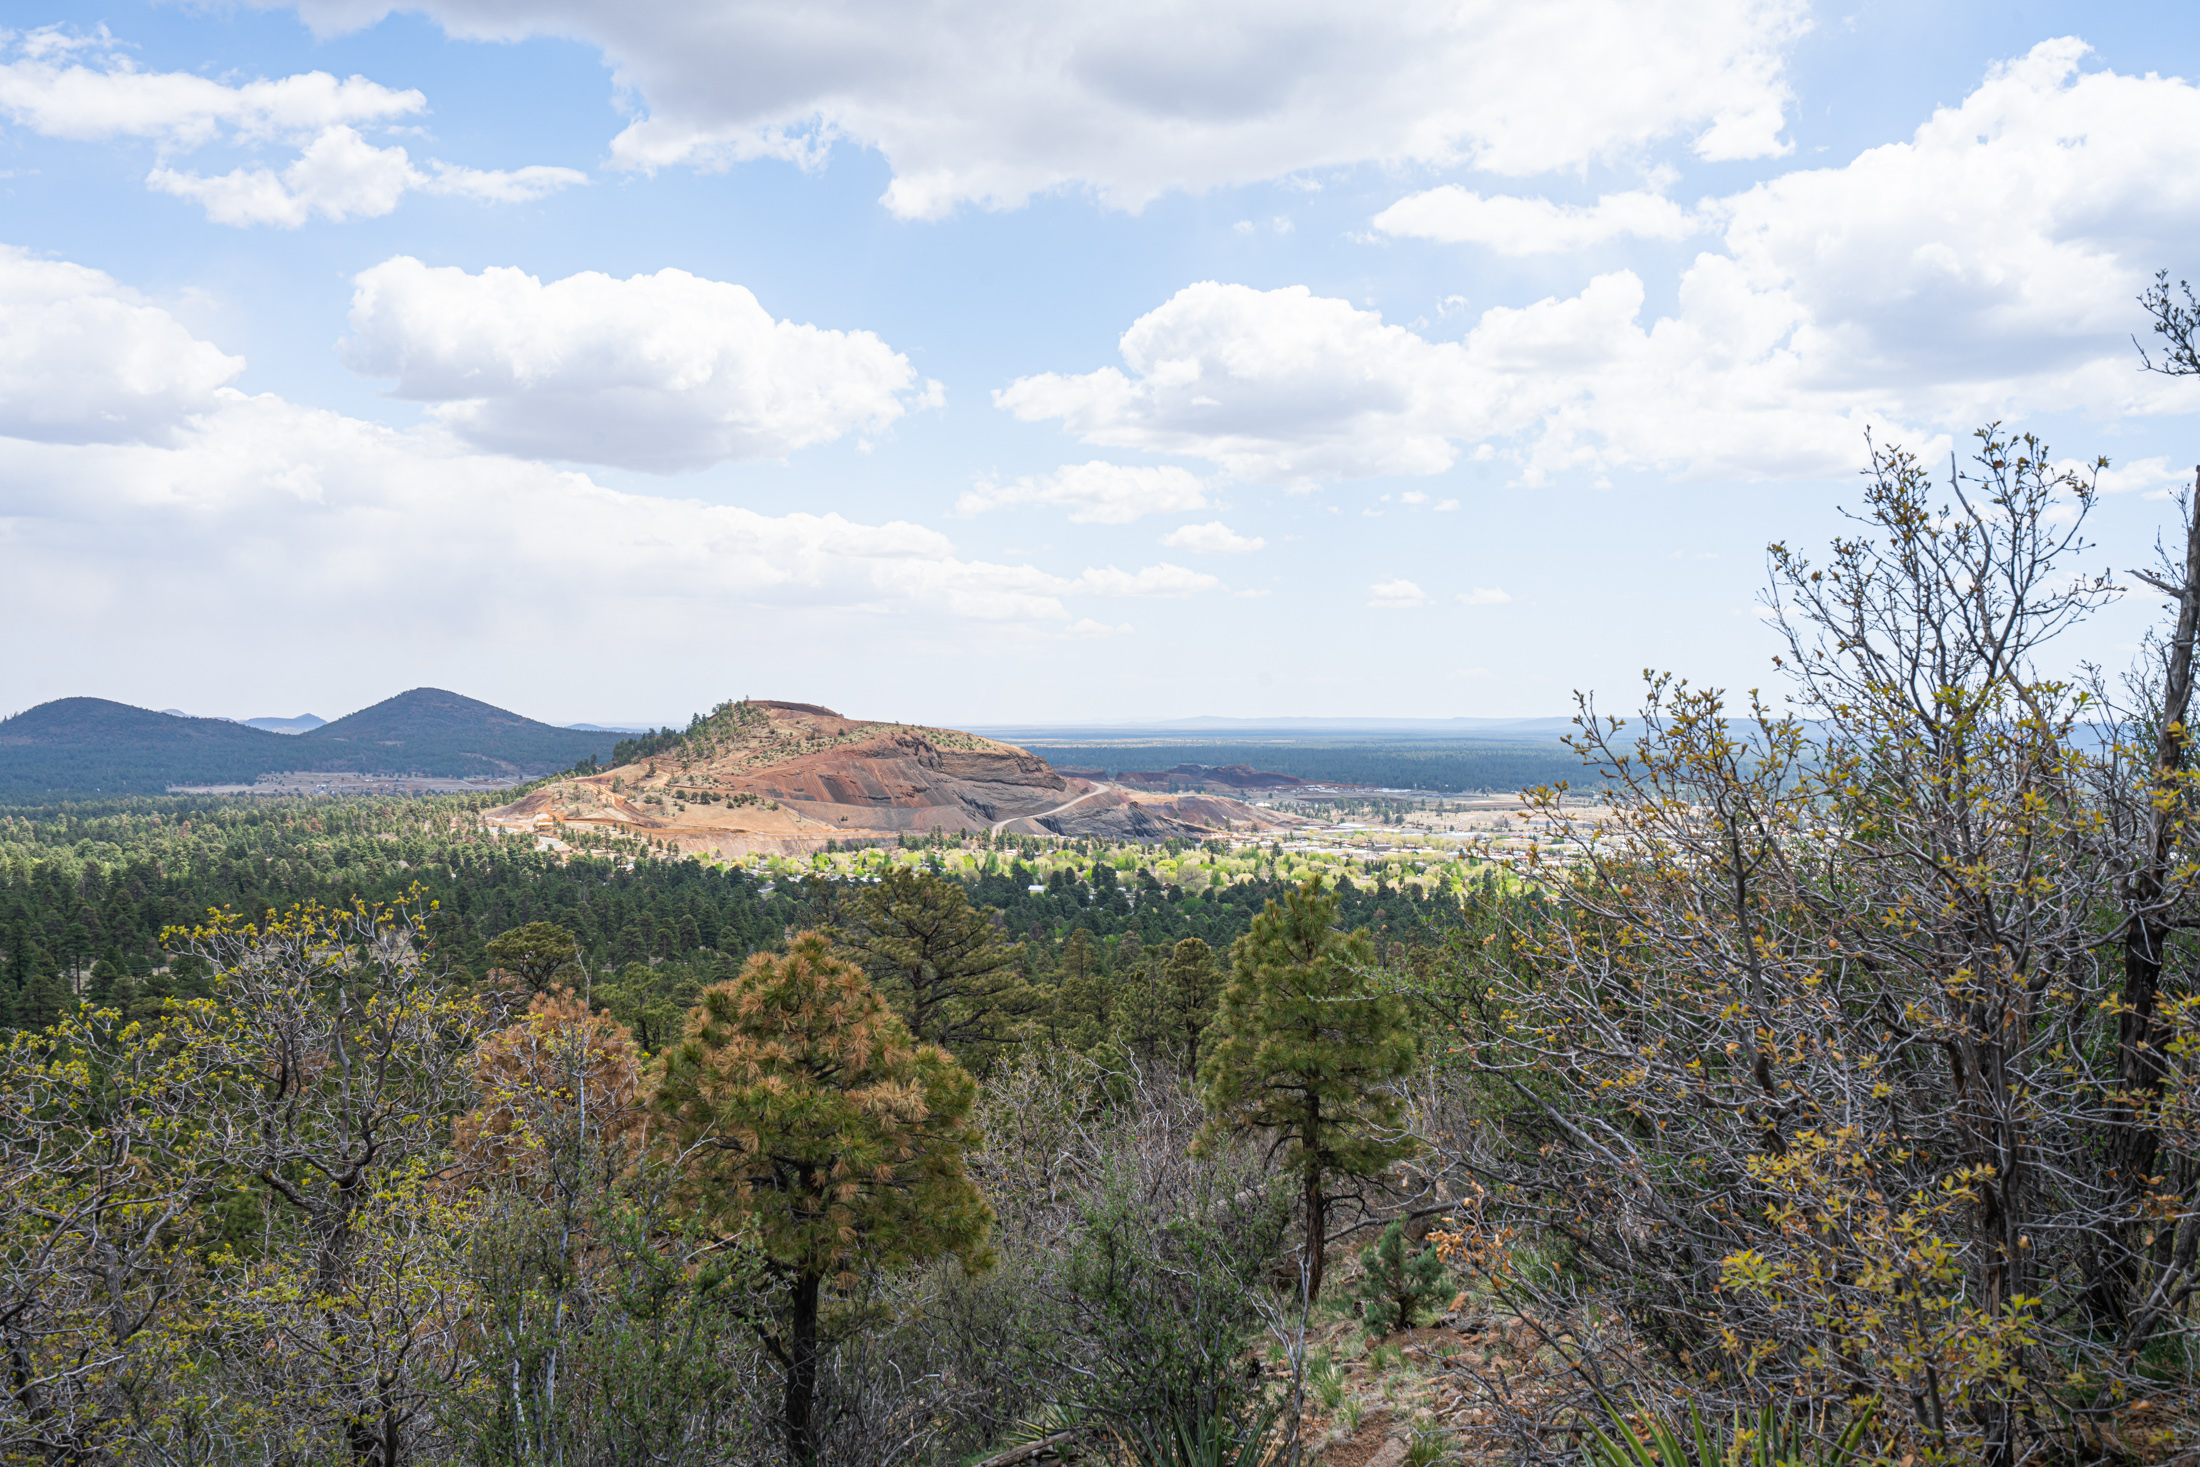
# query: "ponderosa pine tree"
[538,954]
[1194,985]
[939,960]
[1304,1051]
[1084,994]
[803,1111]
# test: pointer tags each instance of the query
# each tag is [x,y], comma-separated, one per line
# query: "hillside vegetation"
[93,746]
[430,731]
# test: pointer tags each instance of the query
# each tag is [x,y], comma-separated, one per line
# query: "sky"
[1045,363]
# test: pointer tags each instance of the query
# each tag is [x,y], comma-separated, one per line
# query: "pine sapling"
[1398,1285]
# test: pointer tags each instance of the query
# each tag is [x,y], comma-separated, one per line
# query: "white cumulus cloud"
[1212,538]
[1278,385]
[1162,580]
[1522,226]
[1096,493]
[662,372]
[1396,595]
[171,512]
[340,175]
[969,103]
[2005,239]
[82,89]
[1985,268]
[48,91]
[1483,596]
[86,360]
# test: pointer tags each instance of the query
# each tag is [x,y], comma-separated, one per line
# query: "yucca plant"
[1325,1380]
[1217,1440]
[1775,1439]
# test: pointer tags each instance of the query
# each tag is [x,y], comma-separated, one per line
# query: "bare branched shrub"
[607,1331]
[1815,1065]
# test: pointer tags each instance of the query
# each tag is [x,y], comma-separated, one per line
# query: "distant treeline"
[1447,765]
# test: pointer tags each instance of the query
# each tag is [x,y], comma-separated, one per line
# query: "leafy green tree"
[653,999]
[1143,1019]
[1161,1011]
[1305,1051]
[336,1058]
[805,1115]
[1396,1283]
[940,961]
[538,954]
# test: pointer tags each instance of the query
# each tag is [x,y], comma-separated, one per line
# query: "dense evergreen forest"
[86,890]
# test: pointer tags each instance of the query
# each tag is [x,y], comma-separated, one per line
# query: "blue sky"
[969,363]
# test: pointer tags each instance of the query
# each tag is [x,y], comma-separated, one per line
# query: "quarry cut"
[770,777]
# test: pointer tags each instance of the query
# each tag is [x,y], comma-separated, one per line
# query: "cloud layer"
[150,495]
[340,175]
[1096,493]
[659,372]
[1515,226]
[1213,538]
[1278,385]
[974,105]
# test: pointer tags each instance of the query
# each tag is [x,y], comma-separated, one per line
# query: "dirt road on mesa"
[1058,809]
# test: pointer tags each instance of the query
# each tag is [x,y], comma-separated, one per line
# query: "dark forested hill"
[90,745]
[430,731]
[1446,764]
[75,747]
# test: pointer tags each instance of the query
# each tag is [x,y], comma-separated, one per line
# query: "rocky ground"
[1425,1396]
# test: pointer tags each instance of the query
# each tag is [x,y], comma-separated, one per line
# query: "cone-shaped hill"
[774,776]
[81,746]
[430,731]
[93,746]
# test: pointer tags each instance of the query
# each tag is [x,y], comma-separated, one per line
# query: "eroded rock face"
[787,777]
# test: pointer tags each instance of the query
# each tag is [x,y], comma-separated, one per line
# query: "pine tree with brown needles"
[802,1110]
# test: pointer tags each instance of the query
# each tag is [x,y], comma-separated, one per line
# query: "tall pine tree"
[1305,1051]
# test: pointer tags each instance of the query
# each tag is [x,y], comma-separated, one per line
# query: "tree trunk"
[2134,1140]
[802,1373]
[1317,1231]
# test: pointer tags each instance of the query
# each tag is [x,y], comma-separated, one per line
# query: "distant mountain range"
[78,746]
[303,723]
[1294,730]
